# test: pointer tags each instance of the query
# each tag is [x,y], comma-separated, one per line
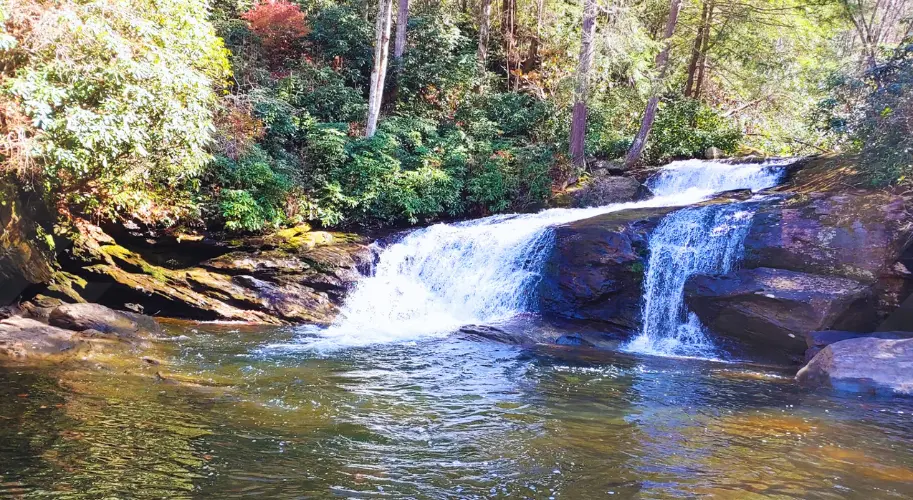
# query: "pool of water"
[224,416]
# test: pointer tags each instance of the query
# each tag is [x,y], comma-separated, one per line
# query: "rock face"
[863,365]
[292,276]
[26,255]
[603,190]
[596,268]
[852,234]
[772,310]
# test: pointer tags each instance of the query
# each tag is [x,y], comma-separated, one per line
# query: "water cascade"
[439,278]
[687,242]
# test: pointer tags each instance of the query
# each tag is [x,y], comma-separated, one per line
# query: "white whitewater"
[687,242]
[484,271]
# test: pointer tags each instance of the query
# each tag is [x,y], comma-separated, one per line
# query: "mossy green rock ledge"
[293,276]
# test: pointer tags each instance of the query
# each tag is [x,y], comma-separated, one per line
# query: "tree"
[584,66]
[509,36]
[379,73]
[878,23]
[484,34]
[402,20]
[281,27]
[662,62]
[121,96]
[698,59]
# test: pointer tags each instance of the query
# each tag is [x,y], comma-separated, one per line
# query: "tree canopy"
[251,114]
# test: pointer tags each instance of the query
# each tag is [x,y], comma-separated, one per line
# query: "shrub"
[341,38]
[323,93]
[253,190]
[121,94]
[686,128]
[883,128]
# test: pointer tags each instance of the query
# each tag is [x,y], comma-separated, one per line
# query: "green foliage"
[322,92]
[883,126]
[254,190]
[686,128]
[341,36]
[121,94]
[438,67]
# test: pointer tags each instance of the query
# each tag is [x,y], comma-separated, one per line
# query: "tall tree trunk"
[379,73]
[484,33]
[508,33]
[696,49]
[662,62]
[402,20]
[584,65]
[702,60]
[399,48]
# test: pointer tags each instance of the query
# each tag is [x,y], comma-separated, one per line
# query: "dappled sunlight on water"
[224,418]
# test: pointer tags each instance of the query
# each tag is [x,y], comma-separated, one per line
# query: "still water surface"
[442,418]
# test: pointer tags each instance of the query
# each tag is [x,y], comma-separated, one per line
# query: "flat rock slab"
[82,317]
[23,339]
[772,310]
[880,366]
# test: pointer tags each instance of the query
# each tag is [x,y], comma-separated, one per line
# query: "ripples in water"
[444,418]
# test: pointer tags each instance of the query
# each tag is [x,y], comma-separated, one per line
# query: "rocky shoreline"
[826,266]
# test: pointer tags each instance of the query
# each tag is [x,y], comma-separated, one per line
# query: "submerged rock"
[596,267]
[772,310]
[604,190]
[494,334]
[863,365]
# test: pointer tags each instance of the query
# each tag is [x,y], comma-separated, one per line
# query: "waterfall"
[439,278]
[687,242]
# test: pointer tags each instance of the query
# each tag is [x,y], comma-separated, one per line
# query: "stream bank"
[819,255]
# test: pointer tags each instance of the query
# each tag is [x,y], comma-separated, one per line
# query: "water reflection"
[441,419]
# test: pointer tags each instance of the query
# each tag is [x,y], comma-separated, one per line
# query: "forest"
[248,116]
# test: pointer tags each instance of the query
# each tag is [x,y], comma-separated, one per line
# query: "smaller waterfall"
[687,242]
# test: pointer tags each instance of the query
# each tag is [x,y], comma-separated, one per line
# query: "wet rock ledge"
[292,276]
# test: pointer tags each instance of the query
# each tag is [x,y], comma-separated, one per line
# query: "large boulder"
[863,365]
[770,311]
[22,339]
[857,234]
[82,317]
[596,267]
[604,190]
[817,341]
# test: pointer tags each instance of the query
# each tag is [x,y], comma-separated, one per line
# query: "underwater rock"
[863,365]
[772,310]
[22,339]
[494,334]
